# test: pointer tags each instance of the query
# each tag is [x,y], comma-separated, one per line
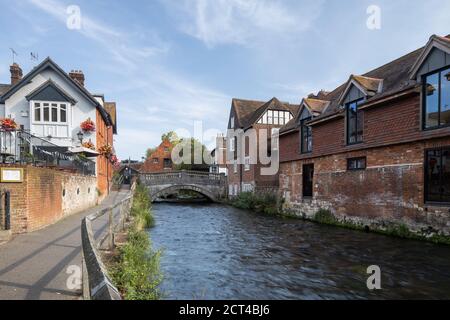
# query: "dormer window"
[305,132]
[354,122]
[436,99]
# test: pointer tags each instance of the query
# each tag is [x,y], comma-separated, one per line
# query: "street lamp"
[80,136]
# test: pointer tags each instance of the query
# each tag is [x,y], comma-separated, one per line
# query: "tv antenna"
[34,56]
[14,54]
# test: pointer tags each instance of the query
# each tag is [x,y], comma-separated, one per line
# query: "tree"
[191,143]
[172,137]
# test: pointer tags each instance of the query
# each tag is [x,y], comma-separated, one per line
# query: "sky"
[170,63]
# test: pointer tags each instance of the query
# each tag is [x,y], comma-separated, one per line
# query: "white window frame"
[232,144]
[50,106]
[235,170]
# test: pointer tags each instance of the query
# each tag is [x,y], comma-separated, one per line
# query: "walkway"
[34,266]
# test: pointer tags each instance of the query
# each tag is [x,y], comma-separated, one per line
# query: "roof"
[52,84]
[248,112]
[4,88]
[49,63]
[111,108]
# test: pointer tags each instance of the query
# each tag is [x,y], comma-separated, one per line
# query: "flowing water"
[213,251]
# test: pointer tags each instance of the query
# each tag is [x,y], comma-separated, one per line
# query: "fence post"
[111,229]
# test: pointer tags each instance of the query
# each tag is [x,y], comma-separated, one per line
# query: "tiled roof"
[248,112]
[4,88]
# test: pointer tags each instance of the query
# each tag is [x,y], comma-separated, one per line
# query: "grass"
[267,203]
[137,272]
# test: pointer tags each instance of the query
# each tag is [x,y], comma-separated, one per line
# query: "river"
[212,251]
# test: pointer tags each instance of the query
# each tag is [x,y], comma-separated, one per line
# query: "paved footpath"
[34,266]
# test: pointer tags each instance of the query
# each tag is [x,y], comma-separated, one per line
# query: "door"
[308,175]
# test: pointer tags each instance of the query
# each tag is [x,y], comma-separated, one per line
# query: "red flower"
[8,124]
[88,125]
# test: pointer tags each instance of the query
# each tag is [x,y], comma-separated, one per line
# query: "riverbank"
[271,204]
[135,268]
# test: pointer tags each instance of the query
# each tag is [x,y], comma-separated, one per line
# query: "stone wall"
[46,196]
[389,192]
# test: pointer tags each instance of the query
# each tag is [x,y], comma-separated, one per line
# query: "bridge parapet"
[182,177]
[211,185]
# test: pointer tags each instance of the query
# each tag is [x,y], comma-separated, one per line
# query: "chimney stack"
[78,76]
[16,73]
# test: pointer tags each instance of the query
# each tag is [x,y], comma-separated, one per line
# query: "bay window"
[50,112]
[436,93]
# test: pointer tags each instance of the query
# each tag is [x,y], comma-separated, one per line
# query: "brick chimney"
[78,76]
[16,73]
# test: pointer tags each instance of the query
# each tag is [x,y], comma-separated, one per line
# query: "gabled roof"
[315,106]
[442,43]
[368,86]
[49,63]
[243,110]
[50,84]
[248,112]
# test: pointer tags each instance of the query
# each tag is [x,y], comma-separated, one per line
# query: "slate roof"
[395,77]
[4,88]
[248,112]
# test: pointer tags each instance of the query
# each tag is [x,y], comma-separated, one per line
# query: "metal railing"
[182,177]
[21,147]
[96,282]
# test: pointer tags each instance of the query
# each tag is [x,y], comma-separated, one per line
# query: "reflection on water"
[218,252]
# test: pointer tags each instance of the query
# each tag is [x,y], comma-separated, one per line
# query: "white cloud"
[244,22]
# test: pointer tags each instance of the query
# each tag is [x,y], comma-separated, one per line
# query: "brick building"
[160,160]
[376,150]
[245,169]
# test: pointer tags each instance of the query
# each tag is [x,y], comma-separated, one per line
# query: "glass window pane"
[433,175]
[63,113]
[37,112]
[432,101]
[46,112]
[265,118]
[445,175]
[445,97]
[359,126]
[54,113]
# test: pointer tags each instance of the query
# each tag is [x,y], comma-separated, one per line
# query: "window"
[155,160]
[232,123]
[357,163]
[235,166]
[166,149]
[50,112]
[247,164]
[437,175]
[354,123]
[308,178]
[275,138]
[167,163]
[232,144]
[436,93]
[305,132]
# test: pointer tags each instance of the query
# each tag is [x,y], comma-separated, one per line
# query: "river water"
[213,251]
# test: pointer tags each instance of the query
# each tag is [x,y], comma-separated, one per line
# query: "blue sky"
[168,63]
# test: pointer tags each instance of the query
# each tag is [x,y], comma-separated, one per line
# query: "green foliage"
[267,203]
[172,137]
[192,144]
[326,217]
[137,273]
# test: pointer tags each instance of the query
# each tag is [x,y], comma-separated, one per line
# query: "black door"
[308,174]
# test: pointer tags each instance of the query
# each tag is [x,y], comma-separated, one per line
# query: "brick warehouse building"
[376,150]
[244,176]
[160,160]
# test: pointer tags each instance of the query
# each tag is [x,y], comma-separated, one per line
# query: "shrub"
[266,203]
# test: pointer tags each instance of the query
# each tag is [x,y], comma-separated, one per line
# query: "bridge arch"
[175,188]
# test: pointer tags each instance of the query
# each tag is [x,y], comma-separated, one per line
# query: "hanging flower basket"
[8,124]
[88,126]
[106,150]
[88,145]
[114,161]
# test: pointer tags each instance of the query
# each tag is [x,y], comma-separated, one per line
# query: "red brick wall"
[391,189]
[38,201]
[150,166]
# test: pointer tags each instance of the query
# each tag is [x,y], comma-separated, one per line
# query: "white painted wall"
[77,113]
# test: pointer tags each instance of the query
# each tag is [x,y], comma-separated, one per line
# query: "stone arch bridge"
[211,185]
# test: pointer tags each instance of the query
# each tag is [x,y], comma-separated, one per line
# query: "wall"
[46,196]
[150,166]
[390,191]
